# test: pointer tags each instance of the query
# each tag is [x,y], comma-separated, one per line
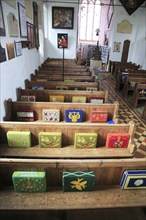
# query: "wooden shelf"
[64,152]
[56,199]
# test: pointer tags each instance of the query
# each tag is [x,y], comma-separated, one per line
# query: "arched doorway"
[125,51]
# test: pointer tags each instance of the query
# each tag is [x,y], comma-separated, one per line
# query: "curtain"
[105,25]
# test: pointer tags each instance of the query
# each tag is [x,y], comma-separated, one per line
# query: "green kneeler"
[19,138]
[50,139]
[78,181]
[85,140]
[29,181]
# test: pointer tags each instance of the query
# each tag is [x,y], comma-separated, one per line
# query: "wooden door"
[125,51]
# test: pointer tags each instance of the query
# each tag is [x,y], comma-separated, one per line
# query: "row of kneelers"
[53,115]
[88,88]
[79,181]
[54,139]
[61,98]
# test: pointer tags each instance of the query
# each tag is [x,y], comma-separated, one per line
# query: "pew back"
[45,71]
[68,131]
[138,94]
[74,78]
[12,107]
[43,95]
[71,86]
[131,82]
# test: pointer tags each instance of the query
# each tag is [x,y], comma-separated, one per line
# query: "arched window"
[89,20]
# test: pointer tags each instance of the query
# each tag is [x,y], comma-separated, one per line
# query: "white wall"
[52,50]
[137,51]
[13,72]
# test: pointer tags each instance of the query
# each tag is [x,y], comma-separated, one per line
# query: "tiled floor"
[126,113]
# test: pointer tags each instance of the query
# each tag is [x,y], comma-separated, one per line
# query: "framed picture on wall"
[36,25]
[117,46]
[2,54]
[22,20]
[18,48]
[62,40]
[30,35]
[131,5]
[2,25]
[62,17]
[10,50]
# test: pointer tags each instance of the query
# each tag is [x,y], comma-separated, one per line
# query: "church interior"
[73,109]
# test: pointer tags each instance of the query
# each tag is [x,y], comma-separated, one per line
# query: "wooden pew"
[74,78]
[114,67]
[58,68]
[107,164]
[68,131]
[124,67]
[13,106]
[144,113]
[139,71]
[72,86]
[131,82]
[69,64]
[111,66]
[122,72]
[139,93]
[106,193]
[59,72]
[43,95]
